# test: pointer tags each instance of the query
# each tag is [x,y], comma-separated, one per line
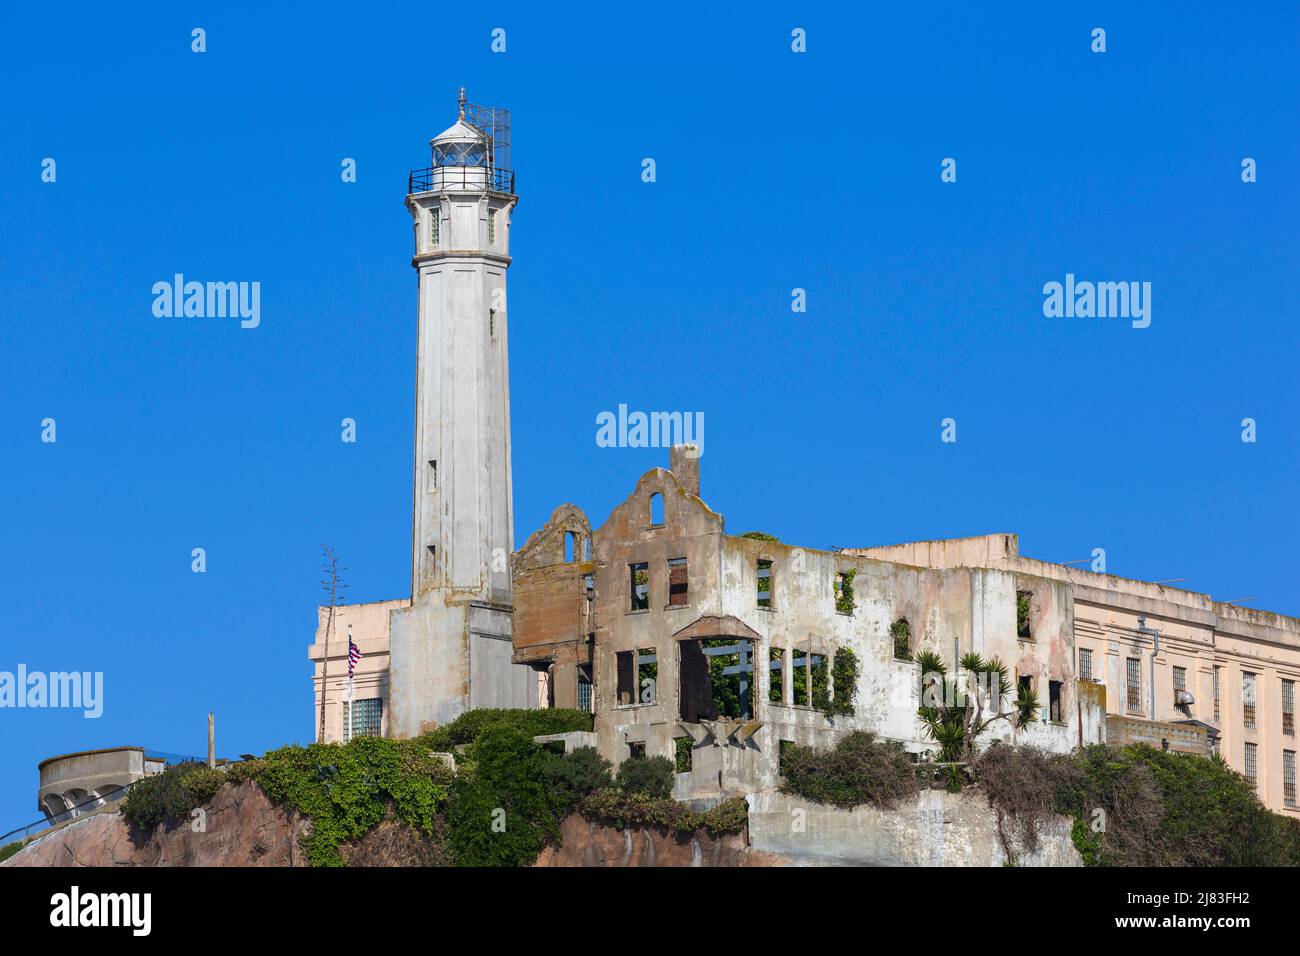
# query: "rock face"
[584,843]
[240,827]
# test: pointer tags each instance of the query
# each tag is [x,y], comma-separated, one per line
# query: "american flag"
[354,655]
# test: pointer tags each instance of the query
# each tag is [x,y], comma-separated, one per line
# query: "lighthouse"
[452,648]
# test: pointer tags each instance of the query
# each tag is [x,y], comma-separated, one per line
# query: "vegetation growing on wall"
[172,794]
[501,806]
[761,536]
[844,601]
[844,677]
[860,768]
[9,849]
[1132,806]
[901,633]
[957,709]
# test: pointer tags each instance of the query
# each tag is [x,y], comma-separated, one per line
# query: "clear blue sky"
[775,171]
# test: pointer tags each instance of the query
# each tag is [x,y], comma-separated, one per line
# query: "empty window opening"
[639,583]
[683,751]
[782,748]
[1024,599]
[677,583]
[1133,684]
[843,587]
[1288,707]
[433,552]
[586,548]
[626,677]
[776,675]
[570,546]
[656,509]
[809,680]
[764,583]
[647,675]
[1085,664]
[901,632]
[589,584]
[1248,699]
[636,750]
[1054,711]
[717,678]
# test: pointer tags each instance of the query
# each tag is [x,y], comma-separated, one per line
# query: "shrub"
[621,809]
[859,769]
[502,811]
[578,773]
[172,794]
[652,776]
[467,728]
[346,789]
[9,849]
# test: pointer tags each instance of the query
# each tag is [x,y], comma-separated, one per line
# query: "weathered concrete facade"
[79,783]
[1160,652]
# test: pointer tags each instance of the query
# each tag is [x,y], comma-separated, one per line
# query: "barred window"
[1180,678]
[1288,707]
[584,696]
[1217,671]
[367,716]
[1251,765]
[1248,699]
[1288,777]
[1085,664]
[1134,684]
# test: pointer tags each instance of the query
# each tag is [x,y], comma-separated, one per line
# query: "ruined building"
[715,649]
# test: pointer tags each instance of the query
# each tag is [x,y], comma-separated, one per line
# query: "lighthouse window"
[458,154]
[433,227]
[492,227]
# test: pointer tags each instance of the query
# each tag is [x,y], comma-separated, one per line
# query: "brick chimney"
[684,462]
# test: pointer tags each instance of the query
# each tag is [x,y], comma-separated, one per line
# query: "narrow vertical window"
[656,509]
[433,227]
[1288,707]
[1180,688]
[1085,664]
[1024,600]
[492,324]
[1134,688]
[1252,770]
[1054,703]
[1248,699]
[433,475]
[492,227]
[639,583]
[764,583]
[1217,672]
[1288,777]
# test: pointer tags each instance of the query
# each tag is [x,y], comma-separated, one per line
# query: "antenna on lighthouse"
[461,100]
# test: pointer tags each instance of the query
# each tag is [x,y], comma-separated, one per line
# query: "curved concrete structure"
[78,783]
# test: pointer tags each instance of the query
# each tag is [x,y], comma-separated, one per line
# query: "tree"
[333,586]
[956,711]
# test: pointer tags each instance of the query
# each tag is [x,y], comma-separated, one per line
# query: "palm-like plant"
[956,710]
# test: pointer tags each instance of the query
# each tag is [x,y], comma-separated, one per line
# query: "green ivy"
[844,602]
[844,675]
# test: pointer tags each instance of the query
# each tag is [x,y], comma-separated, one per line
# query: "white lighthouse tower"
[451,650]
